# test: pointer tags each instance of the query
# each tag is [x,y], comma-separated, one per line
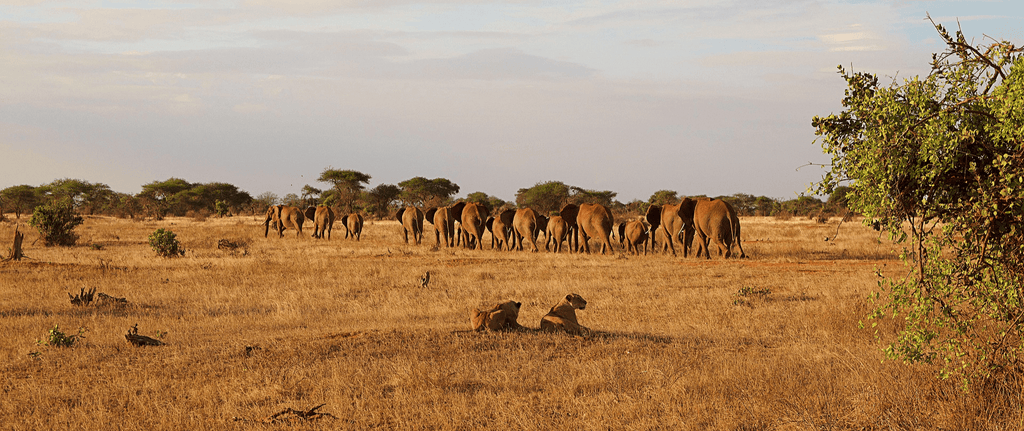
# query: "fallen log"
[140,340]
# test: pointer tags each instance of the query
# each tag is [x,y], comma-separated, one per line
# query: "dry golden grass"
[297,322]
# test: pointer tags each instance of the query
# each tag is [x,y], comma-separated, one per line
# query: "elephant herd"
[283,217]
[674,225]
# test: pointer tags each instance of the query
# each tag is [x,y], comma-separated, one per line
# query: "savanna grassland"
[768,342]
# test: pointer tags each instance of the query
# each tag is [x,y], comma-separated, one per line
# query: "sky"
[697,96]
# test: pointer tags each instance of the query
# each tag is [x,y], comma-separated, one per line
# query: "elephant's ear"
[508,216]
[686,208]
[430,214]
[457,210]
[398,215]
[654,216]
[569,213]
[489,223]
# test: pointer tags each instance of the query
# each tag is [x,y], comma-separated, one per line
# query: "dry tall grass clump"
[769,342]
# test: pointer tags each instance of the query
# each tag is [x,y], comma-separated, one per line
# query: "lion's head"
[576,301]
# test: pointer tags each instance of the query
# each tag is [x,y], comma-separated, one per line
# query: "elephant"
[353,225]
[444,225]
[712,220]
[660,237]
[323,220]
[500,228]
[473,217]
[635,233]
[668,217]
[589,220]
[412,221]
[525,224]
[556,230]
[284,217]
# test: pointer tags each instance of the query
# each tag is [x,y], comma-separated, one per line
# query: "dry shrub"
[199,215]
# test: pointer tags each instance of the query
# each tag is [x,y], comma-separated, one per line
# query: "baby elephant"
[499,317]
[562,316]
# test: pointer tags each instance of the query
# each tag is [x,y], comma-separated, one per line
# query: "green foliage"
[220,208]
[485,199]
[544,197]
[579,195]
[938,163]
[421,192]
[56,223]
[165,243]
[20,199]
[292,200]
[86,197]
[380,199]
[310,195]
[664,197]
[176,196]
[57,338]
[346,185]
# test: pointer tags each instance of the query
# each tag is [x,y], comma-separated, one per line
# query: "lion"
[499,317]
[562,316]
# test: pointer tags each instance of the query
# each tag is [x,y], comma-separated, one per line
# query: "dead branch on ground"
[140,340]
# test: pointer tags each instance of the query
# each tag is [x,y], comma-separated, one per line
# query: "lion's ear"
[519,304]
[568,297]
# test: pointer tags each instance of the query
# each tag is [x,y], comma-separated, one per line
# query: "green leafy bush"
[57,338]
[165,243]
[220,208]
[56,223]
[937,163]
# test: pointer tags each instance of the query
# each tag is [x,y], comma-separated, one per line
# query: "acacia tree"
[381,197]
[938,163]
[664,197]
[346,186]
[544,197]
[419,191]
[487,200]
[21,199]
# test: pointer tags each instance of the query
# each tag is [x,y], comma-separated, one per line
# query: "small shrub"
[198,215]
[220,208]
[165,243]
[746,294]
[783,215]
[56,223]
[57,338]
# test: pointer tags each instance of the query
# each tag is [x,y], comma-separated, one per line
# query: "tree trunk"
[16,253]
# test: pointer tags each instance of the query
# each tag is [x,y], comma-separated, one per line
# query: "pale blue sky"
[702,97]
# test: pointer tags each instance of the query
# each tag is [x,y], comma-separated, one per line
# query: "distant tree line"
[346,191]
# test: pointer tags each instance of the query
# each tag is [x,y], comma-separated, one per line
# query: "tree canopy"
[938,163]
[419,191]
[176,196]
[346,184]
[487,200]
[21,199]
[544,197]
[380,199]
